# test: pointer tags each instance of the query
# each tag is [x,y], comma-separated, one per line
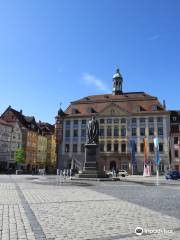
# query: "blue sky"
[54,51]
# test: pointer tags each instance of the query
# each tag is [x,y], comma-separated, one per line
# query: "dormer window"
[138,108]
[91,110]
[75,111]
[112,111]
[154,107]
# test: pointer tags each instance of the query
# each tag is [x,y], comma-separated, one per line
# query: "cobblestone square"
[36,207]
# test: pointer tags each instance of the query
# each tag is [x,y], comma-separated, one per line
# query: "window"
[123,120]
[82,148]
[133,120]
[142,120]
[91,110]
[116,120]
[133,132]
[123,147]
[67,148]
[109,147]
[109,132]
[175,140]
[75,133]
[154,108]
[101,132]
[151,147]
[151,119]
[123,132]
[142,131]
[159,119]
[83,132]
[160,131]
[161,147]
[74,148]
[112,111]
[75,122]
[109,120]
[142,147]
[161,167]
[67,122]
[67,133]
[101,121]
[151,131]
[116,132]
[176,154]
[83,122]
[116,147]
[174,119]
[138,108]
[101,147]
[75,111]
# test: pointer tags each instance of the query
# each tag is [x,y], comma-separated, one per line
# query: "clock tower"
[117,83]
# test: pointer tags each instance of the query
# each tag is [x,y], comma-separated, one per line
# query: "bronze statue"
[93,131]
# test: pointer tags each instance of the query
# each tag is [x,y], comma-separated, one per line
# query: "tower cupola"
[117,83]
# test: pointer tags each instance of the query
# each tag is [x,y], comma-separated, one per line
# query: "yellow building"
[51,152]
[31,149]
[41,151]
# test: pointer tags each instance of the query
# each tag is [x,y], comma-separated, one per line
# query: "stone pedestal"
[91,168]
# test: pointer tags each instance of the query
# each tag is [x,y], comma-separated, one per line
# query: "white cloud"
[89,79]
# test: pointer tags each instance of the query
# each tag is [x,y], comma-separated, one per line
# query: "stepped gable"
[25,121]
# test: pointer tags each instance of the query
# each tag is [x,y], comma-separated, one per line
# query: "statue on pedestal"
[93,131]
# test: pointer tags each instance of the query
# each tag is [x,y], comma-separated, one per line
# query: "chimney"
[21,111]
[164,104]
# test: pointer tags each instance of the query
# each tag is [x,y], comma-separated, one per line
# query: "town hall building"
[122,116]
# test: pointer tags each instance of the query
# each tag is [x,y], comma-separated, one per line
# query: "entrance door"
[113,165]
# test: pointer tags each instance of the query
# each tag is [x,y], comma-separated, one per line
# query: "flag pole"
[132,169]
[157,175]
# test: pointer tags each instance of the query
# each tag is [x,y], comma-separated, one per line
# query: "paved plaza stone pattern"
[42,209]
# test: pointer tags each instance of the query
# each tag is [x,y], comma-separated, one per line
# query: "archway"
[113,165]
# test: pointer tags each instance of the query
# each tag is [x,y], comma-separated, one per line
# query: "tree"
[20,155]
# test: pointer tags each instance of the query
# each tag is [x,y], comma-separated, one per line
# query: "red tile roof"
[129,102]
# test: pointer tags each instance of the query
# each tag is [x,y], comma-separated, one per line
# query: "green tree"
[20,155]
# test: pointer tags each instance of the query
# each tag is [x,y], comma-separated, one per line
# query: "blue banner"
[157,154]
[133,150]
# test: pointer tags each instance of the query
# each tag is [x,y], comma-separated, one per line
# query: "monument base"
[91,168]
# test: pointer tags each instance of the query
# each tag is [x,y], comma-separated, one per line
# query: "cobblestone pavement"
[40,209]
